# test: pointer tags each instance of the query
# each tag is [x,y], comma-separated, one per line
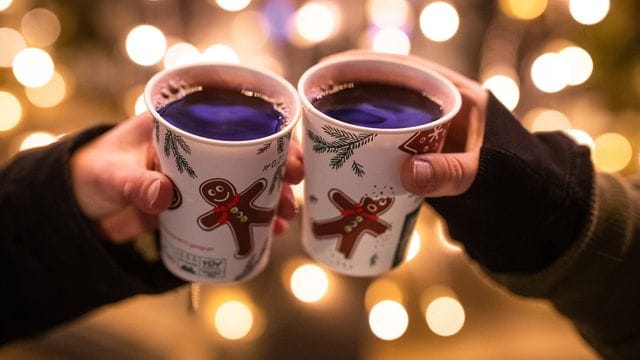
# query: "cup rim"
[445,118]
[296,112]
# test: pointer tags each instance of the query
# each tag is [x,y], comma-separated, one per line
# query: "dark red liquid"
[378,105]
[224,114]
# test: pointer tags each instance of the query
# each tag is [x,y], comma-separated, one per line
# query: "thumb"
[438,174]
[149,191]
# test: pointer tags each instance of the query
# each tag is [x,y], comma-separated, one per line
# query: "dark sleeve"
[530,199]
[543,224]
[55,265]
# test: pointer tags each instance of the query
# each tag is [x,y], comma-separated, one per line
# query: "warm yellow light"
[445,316]
[612,152]
[4,4]
[233,5]
[444,239]
[181,54]
[549,73]
[546,120]
[49,95]
[33,67]
[581,137]
[589,12]
[579,63]
[388,320]
[505,89]
[146,45]
[439,21]
[309,283]
[391,40]
[10,111]
[37,139]
[315,21]
[383,289]
[523,9]
[388,13]
[233,320]
[298,191]
[414,246]
[40,27]
[140,107]
[250,30]
[11,42]
[220,53]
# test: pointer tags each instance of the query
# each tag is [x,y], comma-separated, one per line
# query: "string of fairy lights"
[40,81]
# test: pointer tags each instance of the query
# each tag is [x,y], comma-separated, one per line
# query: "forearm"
[55,264]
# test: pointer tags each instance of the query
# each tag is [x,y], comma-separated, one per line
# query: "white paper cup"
[358,217]
[219,226]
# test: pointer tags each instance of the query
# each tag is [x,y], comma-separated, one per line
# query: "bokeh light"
[181,54]
[388,320]
[549,73]
[37,139]
[11,42]
[233,5]
[10,111]
[612,152]
[581,137]
[439,21]
[315,21]
[233,320]
[445,316]
[4,4]
[589,12]
[40,27]
[33,67]
[309,283]
[388,13]
[140,106]
[50,94]
[579,64]
[414,246]
[220,53]
[523,9]
[505,89]
[383,289]
[391,40]
[540,119]
[146,45]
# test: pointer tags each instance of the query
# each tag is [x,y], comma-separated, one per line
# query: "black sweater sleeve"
[55,265]
[530,200]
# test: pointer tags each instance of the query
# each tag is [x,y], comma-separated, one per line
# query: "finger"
[149,191]
[434,175]
[127,224]
[287,205]
[294,172]
[281,226]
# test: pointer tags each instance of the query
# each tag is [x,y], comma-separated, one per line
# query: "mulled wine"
[224,114]
[377,105]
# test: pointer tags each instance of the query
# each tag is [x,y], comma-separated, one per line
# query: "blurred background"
[569,65]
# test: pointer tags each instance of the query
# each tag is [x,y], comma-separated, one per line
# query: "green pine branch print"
[172,145]
[343,144]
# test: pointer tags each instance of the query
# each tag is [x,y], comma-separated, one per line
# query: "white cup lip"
[364,58]
[292,118]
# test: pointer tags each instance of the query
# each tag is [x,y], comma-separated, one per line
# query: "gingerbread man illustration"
[234,210]
[354,221]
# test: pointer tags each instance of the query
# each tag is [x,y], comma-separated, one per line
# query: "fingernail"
[422,172]
[152,193]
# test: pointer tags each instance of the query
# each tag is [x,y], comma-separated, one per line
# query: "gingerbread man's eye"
[382,202]
[372,208]
[211,192]
[219,188]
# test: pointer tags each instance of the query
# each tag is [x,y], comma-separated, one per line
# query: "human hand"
[117,185]
[453,171]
